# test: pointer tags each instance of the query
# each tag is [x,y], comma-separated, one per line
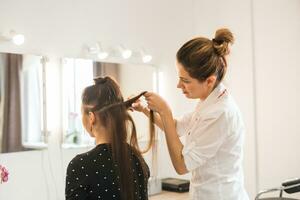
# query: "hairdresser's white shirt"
[214,148]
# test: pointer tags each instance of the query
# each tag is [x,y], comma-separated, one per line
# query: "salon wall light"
[126,53]
[116,53]
[98,51]
[146,57]
[102,55]
[16,38]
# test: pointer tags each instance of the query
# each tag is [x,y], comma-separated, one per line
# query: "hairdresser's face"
[191,87]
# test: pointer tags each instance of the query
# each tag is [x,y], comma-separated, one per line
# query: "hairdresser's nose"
[179,85]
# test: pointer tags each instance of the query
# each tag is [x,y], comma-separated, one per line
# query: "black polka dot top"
[93,176]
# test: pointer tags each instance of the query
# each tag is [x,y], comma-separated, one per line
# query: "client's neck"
[102,136]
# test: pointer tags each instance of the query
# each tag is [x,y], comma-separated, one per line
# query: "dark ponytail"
[104,98]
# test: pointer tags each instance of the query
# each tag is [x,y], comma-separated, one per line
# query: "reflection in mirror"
[79,73]
[20,102]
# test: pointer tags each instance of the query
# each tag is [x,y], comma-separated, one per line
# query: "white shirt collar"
[212,97]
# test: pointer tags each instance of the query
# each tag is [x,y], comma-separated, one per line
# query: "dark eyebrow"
[185,79]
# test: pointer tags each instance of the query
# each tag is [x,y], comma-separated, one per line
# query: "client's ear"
[92,118]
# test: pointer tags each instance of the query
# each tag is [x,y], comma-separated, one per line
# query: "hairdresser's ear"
[211,80]
[92,118]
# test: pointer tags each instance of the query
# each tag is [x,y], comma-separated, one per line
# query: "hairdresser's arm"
[155,102]
[174,144]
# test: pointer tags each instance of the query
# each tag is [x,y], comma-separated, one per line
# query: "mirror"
[79,73]
[21,97]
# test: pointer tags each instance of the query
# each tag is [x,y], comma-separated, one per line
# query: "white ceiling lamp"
[98,51]
[92,50]
[146,57]
[126,53]
[101,53]
[16,38]
[116,53]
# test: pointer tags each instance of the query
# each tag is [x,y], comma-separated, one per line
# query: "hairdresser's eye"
[186,81]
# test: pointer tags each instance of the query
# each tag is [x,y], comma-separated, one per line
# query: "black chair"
[290,187]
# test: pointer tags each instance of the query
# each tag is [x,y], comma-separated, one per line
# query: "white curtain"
[77,74]
[31,99]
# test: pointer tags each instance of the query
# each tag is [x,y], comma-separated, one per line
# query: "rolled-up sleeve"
[207,135]
[182,124]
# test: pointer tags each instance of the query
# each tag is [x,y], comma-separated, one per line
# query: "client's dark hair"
[105,99]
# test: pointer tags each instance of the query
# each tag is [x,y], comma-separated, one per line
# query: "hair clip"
[100,80]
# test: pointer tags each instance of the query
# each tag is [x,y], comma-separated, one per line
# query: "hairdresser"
[214,131]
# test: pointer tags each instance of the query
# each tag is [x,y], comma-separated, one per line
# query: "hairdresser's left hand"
[157,103]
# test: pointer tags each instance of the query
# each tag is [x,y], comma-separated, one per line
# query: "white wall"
[263,75]
[277,31]
[27,178]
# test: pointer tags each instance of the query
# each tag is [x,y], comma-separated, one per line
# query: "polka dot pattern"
[93,175]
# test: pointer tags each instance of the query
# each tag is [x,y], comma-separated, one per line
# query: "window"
[77,74]
[31,83]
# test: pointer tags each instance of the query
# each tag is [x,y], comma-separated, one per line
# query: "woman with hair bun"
[214,131]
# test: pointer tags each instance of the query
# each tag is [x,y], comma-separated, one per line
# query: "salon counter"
[166,195]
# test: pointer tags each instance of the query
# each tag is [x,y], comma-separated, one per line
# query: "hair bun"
[223,38]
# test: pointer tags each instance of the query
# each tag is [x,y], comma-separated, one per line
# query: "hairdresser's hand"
[137,105]
[157,103]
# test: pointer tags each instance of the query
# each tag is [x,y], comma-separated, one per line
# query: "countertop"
[166,195]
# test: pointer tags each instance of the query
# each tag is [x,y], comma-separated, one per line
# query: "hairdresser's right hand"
[137,105]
